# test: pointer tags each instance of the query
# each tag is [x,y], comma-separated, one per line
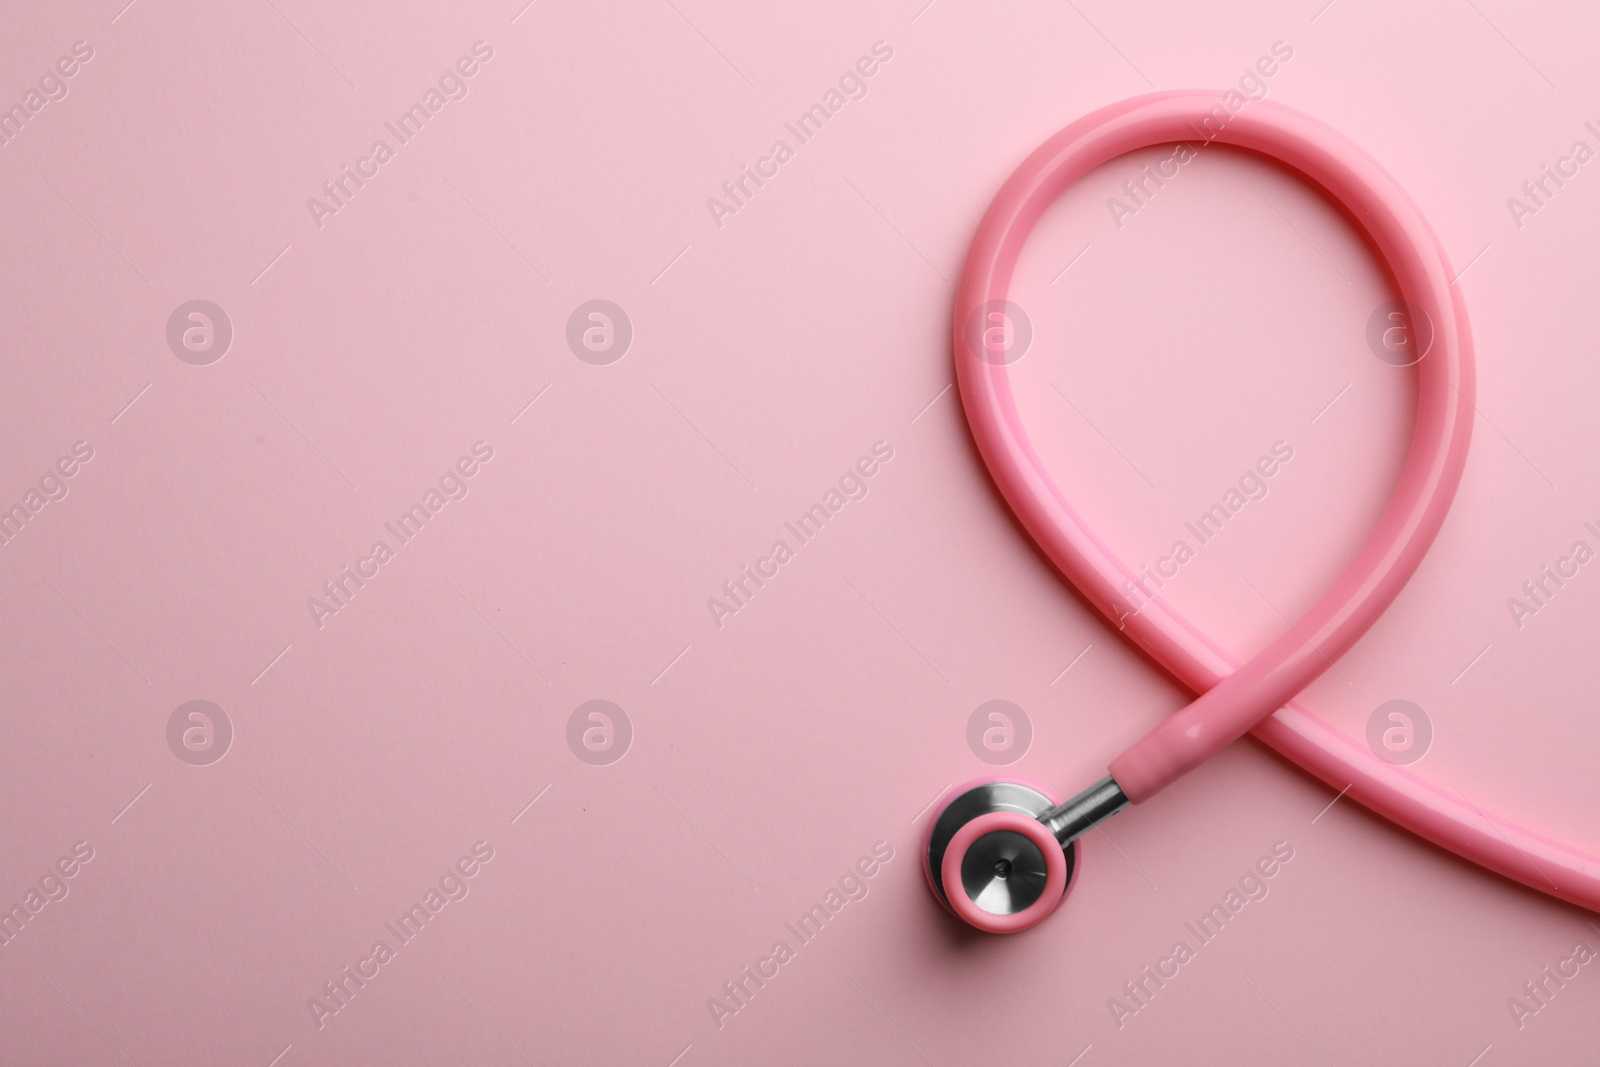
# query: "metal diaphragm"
[1002,872]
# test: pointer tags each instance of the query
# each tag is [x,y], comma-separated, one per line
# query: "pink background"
[768,354]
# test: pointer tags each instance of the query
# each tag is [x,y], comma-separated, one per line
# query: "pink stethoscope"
[1001,854]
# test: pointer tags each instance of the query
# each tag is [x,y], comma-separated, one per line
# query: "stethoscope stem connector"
[1085,811]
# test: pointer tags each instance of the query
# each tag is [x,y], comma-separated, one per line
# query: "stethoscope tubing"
[1259,694]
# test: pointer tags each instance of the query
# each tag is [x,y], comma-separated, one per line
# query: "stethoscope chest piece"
[990,859]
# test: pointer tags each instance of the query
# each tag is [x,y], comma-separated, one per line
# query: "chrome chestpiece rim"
[1005,872]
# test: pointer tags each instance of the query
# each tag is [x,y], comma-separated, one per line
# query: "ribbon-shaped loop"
[1258,694]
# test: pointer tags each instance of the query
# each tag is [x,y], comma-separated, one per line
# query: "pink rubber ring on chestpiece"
[1258,694]
[1055,863]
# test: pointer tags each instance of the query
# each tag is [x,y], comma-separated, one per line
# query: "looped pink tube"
[1256,695]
